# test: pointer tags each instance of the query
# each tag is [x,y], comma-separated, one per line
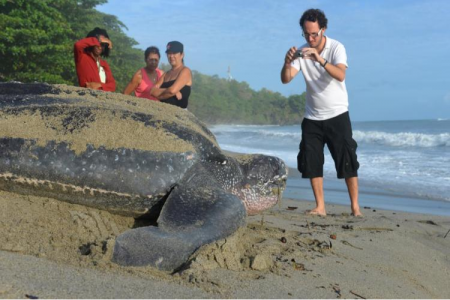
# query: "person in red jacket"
[92,71]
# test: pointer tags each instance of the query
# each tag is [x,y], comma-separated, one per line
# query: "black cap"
[174,47]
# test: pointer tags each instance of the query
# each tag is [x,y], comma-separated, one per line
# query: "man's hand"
[335,71]
[290,55]
[287,72]
[93,85]
[312,54]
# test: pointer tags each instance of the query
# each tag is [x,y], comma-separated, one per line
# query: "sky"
[398,50]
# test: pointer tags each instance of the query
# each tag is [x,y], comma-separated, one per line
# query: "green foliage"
[37,37]
[220,101]
[33,42]
[36,44]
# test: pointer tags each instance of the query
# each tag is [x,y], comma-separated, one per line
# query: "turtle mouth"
[263,182]
[278,183]
[276,186]
[263,196]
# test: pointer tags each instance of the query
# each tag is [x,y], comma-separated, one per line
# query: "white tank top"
[101,72]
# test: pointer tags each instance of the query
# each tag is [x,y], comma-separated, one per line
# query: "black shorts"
[337,134]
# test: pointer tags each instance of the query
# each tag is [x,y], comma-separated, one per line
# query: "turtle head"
[263,182]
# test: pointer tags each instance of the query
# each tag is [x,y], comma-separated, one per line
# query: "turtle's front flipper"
[197,212]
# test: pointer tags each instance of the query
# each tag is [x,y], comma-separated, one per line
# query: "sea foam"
[402,139]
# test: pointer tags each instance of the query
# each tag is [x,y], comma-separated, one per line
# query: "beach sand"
[52,249]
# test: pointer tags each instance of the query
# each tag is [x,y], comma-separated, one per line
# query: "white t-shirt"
[326,97]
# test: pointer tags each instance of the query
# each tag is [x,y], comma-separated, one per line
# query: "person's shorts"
[336,133]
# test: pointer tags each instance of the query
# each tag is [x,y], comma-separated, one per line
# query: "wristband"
[325,63]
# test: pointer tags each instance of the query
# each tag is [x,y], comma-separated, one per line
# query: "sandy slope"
[51,249]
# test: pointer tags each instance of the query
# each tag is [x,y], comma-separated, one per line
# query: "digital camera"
[298,53]
[105,49]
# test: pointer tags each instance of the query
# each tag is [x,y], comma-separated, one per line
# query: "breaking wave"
[402,139]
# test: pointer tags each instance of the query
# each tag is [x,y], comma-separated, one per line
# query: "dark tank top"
[185,92]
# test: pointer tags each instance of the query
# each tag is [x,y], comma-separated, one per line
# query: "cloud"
[447,98]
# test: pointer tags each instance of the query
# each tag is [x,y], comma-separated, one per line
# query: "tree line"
[36,44]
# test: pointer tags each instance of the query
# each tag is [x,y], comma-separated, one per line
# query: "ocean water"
[404,165]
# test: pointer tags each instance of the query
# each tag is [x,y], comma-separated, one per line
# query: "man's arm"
[335,71]
[288,72]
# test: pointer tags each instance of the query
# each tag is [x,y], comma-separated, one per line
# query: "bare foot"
[357,214]
[317,212]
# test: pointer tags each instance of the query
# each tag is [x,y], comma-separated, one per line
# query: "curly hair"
[153,50]
[314,15]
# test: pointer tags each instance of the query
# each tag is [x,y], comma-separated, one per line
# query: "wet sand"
[52,249]
[335,191]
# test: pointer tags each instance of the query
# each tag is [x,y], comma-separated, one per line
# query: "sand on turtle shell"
[111,125]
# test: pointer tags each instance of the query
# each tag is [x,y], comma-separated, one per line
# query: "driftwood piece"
[446,234]
[358,295]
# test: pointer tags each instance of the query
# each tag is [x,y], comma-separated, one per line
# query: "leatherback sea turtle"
[133,157]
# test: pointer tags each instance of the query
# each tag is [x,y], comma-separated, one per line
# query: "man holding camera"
[323,62]
[92,71]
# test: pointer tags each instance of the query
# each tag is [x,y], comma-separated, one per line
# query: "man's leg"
[352,186]
[310,161]
[340,142]
[317,187]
